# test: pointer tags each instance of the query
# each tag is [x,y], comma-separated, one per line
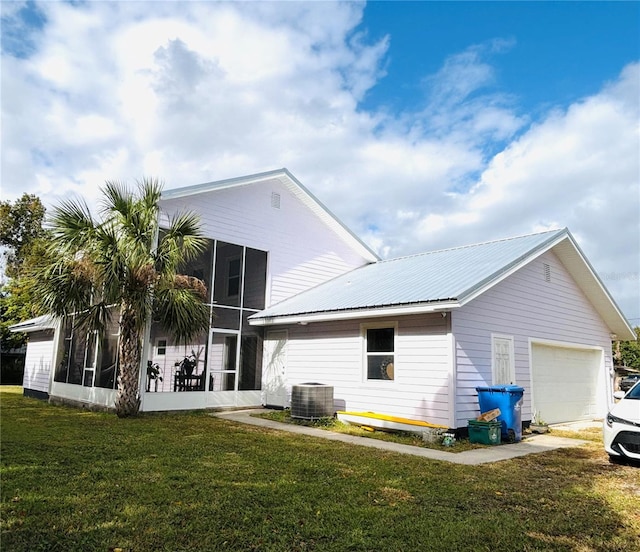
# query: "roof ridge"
[469,246]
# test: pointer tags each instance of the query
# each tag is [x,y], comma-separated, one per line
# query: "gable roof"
[284,177]
[442,280]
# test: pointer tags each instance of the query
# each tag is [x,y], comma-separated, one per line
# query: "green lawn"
[75,480]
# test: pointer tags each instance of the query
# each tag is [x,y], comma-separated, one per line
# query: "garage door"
[568,384]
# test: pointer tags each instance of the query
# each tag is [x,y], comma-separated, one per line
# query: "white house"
[36,381]
[296,297]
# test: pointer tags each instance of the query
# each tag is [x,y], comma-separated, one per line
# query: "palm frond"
[117,199]
[65,285]
[182,312]
[96,318]
[181,242]
[150,190]
[72,223]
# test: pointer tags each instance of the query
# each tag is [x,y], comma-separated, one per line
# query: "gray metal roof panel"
[437,276]
[44,322]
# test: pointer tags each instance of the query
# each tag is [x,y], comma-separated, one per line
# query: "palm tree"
[125,260]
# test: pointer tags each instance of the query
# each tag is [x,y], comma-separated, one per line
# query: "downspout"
[453,371]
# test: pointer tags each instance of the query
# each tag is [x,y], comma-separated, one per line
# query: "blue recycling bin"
[508,398]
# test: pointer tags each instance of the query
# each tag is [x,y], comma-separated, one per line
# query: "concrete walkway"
[530,445]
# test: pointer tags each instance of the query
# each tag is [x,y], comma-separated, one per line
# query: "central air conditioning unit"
[311,401]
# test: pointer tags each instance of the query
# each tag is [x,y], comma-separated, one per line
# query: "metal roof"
[440,280]
[45,322]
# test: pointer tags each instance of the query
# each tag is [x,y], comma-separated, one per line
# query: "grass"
[333,424]
[75,480]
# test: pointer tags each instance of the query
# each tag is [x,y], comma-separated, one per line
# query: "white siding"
[332,353]
[37,365]
[524,306]
[303,250]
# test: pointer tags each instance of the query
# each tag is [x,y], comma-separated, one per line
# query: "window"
[233,279]
[380,352]
[161,347]
[88,359]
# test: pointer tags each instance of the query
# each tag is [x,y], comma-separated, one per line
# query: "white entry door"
[274,379]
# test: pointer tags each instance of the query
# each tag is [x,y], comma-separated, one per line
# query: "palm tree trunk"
[127,398]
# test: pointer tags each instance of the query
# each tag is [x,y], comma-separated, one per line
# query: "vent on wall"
[275,200]
[547,272]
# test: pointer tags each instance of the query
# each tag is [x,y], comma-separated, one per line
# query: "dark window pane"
[228,319]
[64,352]
[228,271]
[380,367]
[250,357]
[255,279]
[162,347]
[90,354]
[380,340]
[88,378]
[200,267]
[233,278]
[106,374]
[76,360]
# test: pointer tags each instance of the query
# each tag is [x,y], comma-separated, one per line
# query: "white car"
[621,427]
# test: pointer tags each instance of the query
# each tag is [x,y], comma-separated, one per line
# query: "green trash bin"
[485,433]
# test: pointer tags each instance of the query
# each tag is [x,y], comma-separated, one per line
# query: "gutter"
[306,318]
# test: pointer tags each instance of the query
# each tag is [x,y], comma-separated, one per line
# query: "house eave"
[34,325]
[353,314]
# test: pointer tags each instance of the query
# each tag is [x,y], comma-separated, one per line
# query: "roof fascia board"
[563,235]
[631,336]
[34,325]
[177,193]
[368,252]
[494,280]
[294,185]
[353,315]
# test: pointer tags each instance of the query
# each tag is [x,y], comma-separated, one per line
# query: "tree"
[124,260]
[24,240]
[20,227]
[627,353]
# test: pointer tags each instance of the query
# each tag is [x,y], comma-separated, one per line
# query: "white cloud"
[199,91]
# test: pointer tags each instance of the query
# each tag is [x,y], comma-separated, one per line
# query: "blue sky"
[554,52]
[421,125]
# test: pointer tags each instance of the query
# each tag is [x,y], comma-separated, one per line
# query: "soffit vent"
[547,272]
[275,200]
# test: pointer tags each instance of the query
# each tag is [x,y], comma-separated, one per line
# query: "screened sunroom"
[222,367]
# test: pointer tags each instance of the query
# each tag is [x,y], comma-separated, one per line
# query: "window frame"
[364,329]
[159,347]
[234,277]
